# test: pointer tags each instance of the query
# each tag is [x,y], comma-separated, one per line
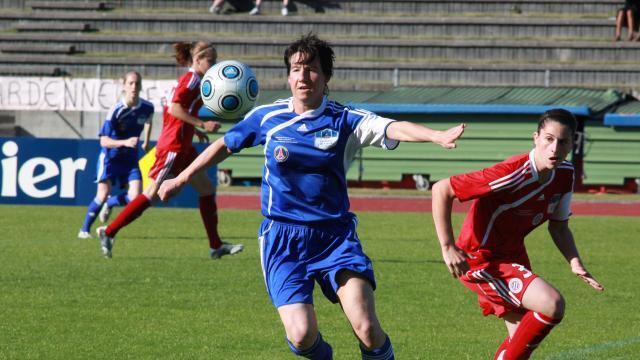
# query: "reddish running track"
[423,204]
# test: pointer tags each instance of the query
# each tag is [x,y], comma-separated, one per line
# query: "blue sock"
[92,213]
[320,350]
[385,352]
[120,200]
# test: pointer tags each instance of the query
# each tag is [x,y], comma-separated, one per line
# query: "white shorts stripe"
[100,167]
[499,287]
[261,244]
[168,163]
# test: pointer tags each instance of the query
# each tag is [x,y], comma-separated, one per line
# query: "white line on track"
[592,350]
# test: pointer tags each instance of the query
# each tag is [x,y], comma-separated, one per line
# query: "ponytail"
[185,52]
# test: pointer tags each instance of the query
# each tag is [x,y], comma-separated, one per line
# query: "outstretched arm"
[147,136]
[408,131]
[213,154]
[442,201]
[563,238]
[176,110]
[110,143]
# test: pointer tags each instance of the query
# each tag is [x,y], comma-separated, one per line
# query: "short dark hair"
[311,46]
[562,116]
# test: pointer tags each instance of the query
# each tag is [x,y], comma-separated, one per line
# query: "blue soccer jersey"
[124,122]
[307,156]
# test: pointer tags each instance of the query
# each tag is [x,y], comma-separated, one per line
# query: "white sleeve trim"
[372,131]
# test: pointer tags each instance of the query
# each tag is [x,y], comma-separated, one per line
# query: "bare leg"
[135,188]
[543,298]
[356,297]
[526,331]
[300,324]
[619,20]
[630,24]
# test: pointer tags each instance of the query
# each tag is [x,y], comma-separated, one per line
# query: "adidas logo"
[302,128]
[541,198]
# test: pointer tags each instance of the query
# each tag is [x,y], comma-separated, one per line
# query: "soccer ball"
[229,89]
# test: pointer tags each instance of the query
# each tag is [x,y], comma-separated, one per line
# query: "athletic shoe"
[255,11]
[225,249]
[105,211]
[285,11]
[215,10]
[106,243]
[84,235]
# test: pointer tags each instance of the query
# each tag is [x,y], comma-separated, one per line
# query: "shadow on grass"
[160,237]
[398,261]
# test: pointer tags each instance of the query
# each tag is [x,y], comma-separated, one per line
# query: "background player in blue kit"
[118,160]
[308,234]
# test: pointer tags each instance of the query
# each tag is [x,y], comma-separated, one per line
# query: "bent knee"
[554,305]
[301,337]
[369,333]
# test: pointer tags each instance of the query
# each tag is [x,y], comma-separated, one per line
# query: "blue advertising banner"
[61,172]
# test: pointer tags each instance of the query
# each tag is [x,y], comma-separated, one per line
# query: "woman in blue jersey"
[308,234]
[118,160]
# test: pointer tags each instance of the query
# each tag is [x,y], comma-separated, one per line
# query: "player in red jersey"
[511,199]
[175,151]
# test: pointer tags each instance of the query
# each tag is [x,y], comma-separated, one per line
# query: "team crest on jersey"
[142,119]
[325,139]
[280,153]
[515,285]
[553,203]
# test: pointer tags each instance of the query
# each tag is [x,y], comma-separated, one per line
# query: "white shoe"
[84,235]
[285,11]
[255,11]
[215,10]
[225,249]
[105,211]
[106,243]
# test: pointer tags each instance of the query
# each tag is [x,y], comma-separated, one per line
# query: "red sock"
[209,214]
[130,212]
[532,330]
[502,347]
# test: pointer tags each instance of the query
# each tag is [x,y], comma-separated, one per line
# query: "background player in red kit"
[175,151]
[511,199]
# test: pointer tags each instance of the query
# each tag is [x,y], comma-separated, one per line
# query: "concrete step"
[7,123]
[69,5]
[50,26]
[367,49]
[27,69]
[327,26]
[421,7]
[360,75]
[36,48]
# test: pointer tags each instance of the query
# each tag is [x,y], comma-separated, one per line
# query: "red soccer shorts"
[171,163]
[500,286]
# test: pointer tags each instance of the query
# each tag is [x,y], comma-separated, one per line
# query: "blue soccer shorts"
[294,256]
[119,171]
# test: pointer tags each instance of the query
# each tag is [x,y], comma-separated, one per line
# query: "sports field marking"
[594,349]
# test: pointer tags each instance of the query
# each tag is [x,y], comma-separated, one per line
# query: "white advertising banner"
[69,94]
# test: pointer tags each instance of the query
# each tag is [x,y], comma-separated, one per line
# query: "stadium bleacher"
[378,43]
[554,52]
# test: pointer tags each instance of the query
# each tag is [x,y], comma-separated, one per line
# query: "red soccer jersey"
[509,203]
[176,134]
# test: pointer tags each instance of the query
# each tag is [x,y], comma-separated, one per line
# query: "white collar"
[534,169]
[313,112]
[137,105]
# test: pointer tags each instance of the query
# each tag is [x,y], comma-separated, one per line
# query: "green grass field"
[161,297]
